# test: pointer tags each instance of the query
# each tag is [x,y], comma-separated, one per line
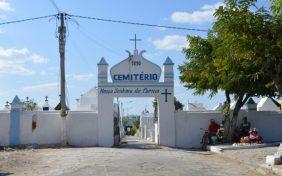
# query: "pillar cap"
[16,100]
[168,61]
[103,62]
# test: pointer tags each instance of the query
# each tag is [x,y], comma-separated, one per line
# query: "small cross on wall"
[166,93]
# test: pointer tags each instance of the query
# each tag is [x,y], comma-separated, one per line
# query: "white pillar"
[166,122]
[105,120]
[105,109]
[166,107]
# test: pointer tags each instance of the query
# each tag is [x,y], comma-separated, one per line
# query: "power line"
[139,24]
[55,5]
[28,19]
[106,20]
[98,43]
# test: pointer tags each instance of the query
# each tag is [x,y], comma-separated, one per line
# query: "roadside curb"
[263,169]
[220,148]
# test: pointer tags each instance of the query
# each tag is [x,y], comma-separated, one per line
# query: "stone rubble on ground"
[275,159]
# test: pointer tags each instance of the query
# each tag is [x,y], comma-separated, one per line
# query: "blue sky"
[29,61]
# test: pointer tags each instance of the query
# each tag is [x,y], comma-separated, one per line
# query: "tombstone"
[46,105]
[14,132]
[136,77]
[7,106]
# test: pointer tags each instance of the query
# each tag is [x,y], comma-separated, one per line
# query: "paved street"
[134,158]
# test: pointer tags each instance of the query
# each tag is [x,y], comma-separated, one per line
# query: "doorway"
[135,121]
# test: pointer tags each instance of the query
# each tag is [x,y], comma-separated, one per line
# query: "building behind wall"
[147,125]
[268,104]
[88,101]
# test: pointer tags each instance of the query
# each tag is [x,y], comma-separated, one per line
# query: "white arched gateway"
[136,77]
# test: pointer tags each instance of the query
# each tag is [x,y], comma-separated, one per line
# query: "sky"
[29,59]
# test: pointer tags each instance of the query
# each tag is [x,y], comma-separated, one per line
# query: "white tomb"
[268,104]
[194,107]
[218,107]
[88,101]
[147,125]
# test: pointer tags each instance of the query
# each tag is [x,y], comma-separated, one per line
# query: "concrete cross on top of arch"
[135,41]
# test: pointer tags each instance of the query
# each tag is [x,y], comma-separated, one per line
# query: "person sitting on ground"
[213,130]
[245,127]
[254,136]
[220,134]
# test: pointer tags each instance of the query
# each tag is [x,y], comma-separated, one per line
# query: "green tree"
[137,122]
[276,7]
[178,105]
[29,105]
[232,58]
[155,106]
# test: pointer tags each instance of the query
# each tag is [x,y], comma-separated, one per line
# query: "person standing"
[213,130]
[245,127]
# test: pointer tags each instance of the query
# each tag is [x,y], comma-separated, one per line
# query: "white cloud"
[171,42]
[83,77]
[41,87]
[5,6]
[37,58]
[14,61]
[197,17]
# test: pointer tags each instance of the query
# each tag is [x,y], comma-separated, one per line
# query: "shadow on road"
[5,174]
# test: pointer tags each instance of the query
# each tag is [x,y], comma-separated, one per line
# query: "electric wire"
[100,44]
[106,20]
[27,19]
[139,24]
[55,5]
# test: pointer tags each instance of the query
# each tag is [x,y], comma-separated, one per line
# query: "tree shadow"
[5,173]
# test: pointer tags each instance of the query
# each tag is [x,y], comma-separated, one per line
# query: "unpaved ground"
[118,161]
[254,157]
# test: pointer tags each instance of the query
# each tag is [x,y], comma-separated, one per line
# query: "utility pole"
[62,44]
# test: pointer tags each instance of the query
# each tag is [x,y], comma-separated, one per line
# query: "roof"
[58,107]
[269,99]
[276,103]
[250,101]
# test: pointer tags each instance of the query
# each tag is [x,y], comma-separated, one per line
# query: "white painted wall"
[188,124]
[4,128]
[268,123]
[82,128]
[48,130]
